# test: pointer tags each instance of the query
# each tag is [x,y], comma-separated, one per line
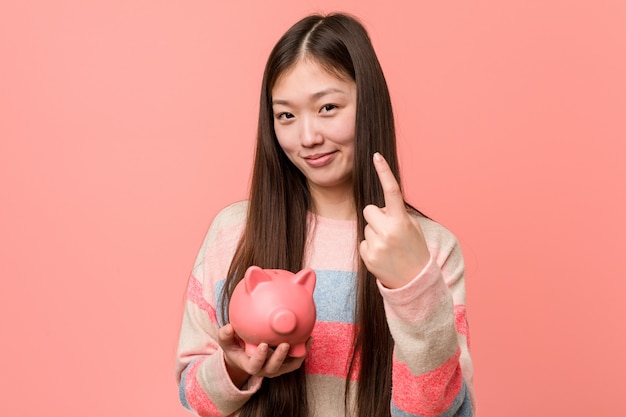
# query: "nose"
[309,133]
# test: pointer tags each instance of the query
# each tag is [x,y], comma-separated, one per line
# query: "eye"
[328,107]
[284,115]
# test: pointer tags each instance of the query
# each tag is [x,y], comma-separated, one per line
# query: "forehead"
[309,74]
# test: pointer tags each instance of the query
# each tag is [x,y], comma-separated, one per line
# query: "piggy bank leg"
[298,350]
[250,348]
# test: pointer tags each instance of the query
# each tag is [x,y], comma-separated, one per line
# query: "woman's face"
[314,120]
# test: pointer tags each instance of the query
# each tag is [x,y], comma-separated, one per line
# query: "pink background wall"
[126,125]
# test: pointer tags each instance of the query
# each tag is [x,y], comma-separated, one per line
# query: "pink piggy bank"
[274,306]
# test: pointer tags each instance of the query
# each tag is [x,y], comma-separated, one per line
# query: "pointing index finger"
[391,189]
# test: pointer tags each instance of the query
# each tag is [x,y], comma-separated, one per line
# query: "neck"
[336,204]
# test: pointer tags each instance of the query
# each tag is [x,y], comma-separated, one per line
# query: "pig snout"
[283,321]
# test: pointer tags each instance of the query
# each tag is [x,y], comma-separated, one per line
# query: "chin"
[332,184]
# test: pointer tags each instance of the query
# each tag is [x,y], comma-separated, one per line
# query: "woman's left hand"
[394,249]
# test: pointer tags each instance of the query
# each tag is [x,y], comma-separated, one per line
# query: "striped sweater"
[432,368]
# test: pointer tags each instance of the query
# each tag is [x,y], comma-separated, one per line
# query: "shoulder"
[445,249]
[231,215]
[230,221]
[436,234]
[225,230]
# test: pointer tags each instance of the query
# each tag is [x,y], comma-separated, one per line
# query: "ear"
[306,278]
[254,276]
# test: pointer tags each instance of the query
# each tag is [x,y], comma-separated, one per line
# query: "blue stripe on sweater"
[461,407]
[181,388]
[334,296]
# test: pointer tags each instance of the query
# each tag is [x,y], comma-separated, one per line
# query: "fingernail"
[377,157]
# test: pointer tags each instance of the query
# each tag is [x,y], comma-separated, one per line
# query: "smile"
[320,159]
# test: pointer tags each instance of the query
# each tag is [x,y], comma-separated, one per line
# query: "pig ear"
[306,278]
[254,276]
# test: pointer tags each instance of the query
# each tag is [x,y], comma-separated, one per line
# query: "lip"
[319,159]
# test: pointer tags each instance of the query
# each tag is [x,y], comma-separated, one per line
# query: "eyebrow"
[314,96]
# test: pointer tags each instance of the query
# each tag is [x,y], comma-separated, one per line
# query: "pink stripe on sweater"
[196,397]
[331,350]
[195,295]
[429,394]
[460,320]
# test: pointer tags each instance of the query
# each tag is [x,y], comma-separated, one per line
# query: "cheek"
[347,138]
[282,137]
[286,143]
[343,133]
